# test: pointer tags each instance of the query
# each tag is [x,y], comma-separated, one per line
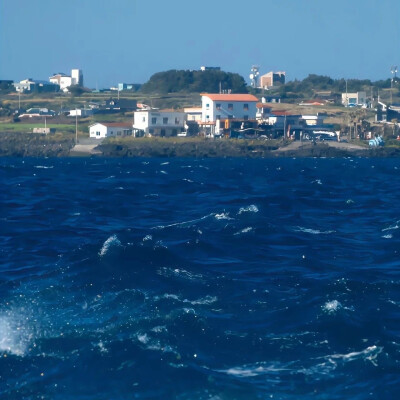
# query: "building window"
[177,121]
[245,106]
[165,120]
[217,117]
[218,106]
[97,133]
[245,117]
[174,132]
[230,106]
[207,105]
[118,133]
[143,119]
[151,130]
[207,117]
[111,133]
[154,121]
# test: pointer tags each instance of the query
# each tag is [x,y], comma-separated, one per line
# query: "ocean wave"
[370,354]
[252,208]
[244,230]
[110,243]
[223,216]
[392,227]
[312,231]
[15,332]
[332,306]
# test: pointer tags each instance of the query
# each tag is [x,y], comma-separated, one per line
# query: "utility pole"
[393,70]
[76,126]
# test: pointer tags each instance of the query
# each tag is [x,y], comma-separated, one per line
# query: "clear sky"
[129,40]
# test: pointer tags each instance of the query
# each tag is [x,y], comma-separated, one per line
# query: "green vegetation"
[194,81]
[311,86]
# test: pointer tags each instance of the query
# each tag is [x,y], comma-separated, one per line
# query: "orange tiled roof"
[230,97]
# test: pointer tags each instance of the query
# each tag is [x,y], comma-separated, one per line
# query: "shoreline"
[37,145]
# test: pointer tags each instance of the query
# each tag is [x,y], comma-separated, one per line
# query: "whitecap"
[43,166]
[164,172]
[389,236]
[332,306]
[312,231]
[317,181]
[252,208]
[370,353]
[111,242]
[183,223]
[223,216]
[147,237]
[392,227]
[188,180]
[257,369]
[244,230]
[15,335]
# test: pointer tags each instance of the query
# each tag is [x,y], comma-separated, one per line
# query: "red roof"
[264,105]
[230,97]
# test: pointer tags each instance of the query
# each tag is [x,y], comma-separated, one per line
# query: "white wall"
[237,111]
[100,131]
[154,121]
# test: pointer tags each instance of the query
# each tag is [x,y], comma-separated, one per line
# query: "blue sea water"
[199,279]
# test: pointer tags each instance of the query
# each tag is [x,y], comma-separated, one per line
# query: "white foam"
[312,231]
[15,334]
[257,369]
[392,227]
[252,208]
[245,230]
[332,306]
[370,353]
[43,166]
[111,242]
[223,216]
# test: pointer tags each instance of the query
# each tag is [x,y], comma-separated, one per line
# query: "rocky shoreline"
[37,145]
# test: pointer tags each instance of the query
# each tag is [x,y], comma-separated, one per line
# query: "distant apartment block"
[65,81]
[272,79]
[354,99]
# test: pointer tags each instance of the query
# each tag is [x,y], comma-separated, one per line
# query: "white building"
[354,99]
[105,129]
[29,85]
[65,81]
[193,113]
[228,106]
[159,123]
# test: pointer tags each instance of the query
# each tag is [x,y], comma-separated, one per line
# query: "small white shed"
[107,129]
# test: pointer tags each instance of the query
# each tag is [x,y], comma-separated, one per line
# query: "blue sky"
[128,41]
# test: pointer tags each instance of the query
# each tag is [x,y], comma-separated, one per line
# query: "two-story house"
[159,122]
[218,108]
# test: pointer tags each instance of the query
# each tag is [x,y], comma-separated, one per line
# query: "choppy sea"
[199,279]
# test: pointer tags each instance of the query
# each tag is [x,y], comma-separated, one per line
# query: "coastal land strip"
[39,145]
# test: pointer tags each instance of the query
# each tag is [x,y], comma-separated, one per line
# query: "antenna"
[254,75]
[393,70]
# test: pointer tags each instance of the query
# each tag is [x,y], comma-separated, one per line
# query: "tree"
[76,90]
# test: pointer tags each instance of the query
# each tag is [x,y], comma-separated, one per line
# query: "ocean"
[199,279]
